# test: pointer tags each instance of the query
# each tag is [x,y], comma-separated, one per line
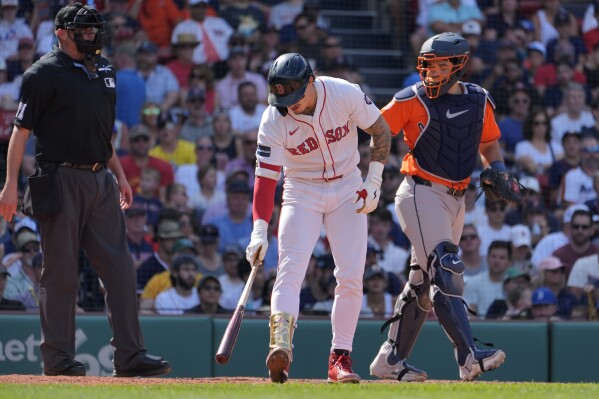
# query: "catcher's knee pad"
[281,330]
[447,268]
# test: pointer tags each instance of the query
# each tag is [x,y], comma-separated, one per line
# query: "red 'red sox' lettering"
[337,134]
[307,146]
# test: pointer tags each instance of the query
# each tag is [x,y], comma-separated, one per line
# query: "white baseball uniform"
[319,158]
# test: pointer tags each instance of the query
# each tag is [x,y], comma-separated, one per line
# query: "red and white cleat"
[340,369]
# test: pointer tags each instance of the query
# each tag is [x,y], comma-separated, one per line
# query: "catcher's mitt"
[501,186]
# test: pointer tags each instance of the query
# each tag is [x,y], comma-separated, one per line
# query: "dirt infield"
[36,379]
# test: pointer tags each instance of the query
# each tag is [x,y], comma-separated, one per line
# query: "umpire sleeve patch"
[263,151]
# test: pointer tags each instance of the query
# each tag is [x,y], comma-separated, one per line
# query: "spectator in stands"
[211,33]
[508,78]
[544,21]
[198,122]
[553,276]
[149,119]
[177,198]
[309,38]
[136,224]
[531,198]
[536,54]
[212,261]
[544,305]
[246,18]
[474,262]
[376,302]
[158,18]
[12,29]
[546,75]
[201,77]
[482,289]
[265,52]
[7,304]
[210,293]
[575,115]
[476,67]
[331,54]
[23,284]
[520,238]
[391,181]
[246,115]
[183,45]
[390,257]
[507,16]
[183,294]
[583,282]
[120,28]
[224,140]
[449,15]
[563,25]
[580,244]
[590,26]
[231,281]
[162,87]
[578,182]
[594,203]
[571,143]
[554,240]
[171,148]
[131,88]
[148,195]
[227,88]
[553,99]
[235,225]
[496,228]
[537,152]
[25,57]
[246,160]
[593,130]
[188,174]
[284,12]
[474,212]
[516,302]
[9,91]
[318,286]
[139,158]
[512,126]
[167,233]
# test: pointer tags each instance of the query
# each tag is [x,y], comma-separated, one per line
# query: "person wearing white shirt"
[496,228]
[246,115]
[11,29]
[212,33]
[389,256]
[183,294]
[575,117]
[578,182]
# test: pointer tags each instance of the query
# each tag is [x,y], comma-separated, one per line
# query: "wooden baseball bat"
[227,343]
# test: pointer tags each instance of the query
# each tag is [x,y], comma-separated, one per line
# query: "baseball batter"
[309,133]
[446,123]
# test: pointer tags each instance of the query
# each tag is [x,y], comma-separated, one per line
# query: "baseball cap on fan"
[10,3]
[471,28]
[520,236]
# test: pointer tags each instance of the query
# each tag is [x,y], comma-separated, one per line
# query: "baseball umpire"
[68,101]
[446,123]
[309,132]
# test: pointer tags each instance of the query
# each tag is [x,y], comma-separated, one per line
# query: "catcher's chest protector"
[448,145]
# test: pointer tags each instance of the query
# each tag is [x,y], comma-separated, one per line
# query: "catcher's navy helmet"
[288,78]
[444,46]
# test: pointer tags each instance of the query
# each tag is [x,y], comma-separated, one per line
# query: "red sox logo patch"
[280,89]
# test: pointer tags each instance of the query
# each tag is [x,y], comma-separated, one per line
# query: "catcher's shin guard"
[280,356]
[453,318]
[411,310]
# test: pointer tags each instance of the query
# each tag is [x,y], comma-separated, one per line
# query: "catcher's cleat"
[480,361]
[340,369]
[278,361]
[383,367]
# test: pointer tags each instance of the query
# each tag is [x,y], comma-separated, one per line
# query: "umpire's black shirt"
[70,111]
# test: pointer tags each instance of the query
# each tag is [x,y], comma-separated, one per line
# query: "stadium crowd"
[190,95]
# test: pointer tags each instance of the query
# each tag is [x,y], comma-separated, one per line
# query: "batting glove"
[256,250]
[369,193]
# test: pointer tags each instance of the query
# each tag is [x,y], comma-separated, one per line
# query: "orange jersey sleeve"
[411,117]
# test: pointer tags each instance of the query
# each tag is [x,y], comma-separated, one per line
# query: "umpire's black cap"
[67,14]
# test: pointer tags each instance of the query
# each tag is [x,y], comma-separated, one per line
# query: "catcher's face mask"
[438,74]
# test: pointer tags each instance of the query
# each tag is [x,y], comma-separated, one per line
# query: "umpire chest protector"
[448,145]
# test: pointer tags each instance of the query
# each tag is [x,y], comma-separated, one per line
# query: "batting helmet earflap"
[444,46]
[288,78]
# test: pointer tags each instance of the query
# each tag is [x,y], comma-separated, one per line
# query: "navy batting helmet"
[287,80]
[445,46]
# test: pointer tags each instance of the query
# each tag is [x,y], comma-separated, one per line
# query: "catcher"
[446,123]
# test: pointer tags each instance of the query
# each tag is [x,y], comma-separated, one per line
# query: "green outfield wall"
[536,351]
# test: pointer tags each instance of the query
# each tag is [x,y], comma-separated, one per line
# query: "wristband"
[498,165]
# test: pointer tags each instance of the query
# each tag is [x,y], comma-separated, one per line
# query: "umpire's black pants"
[90,217]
